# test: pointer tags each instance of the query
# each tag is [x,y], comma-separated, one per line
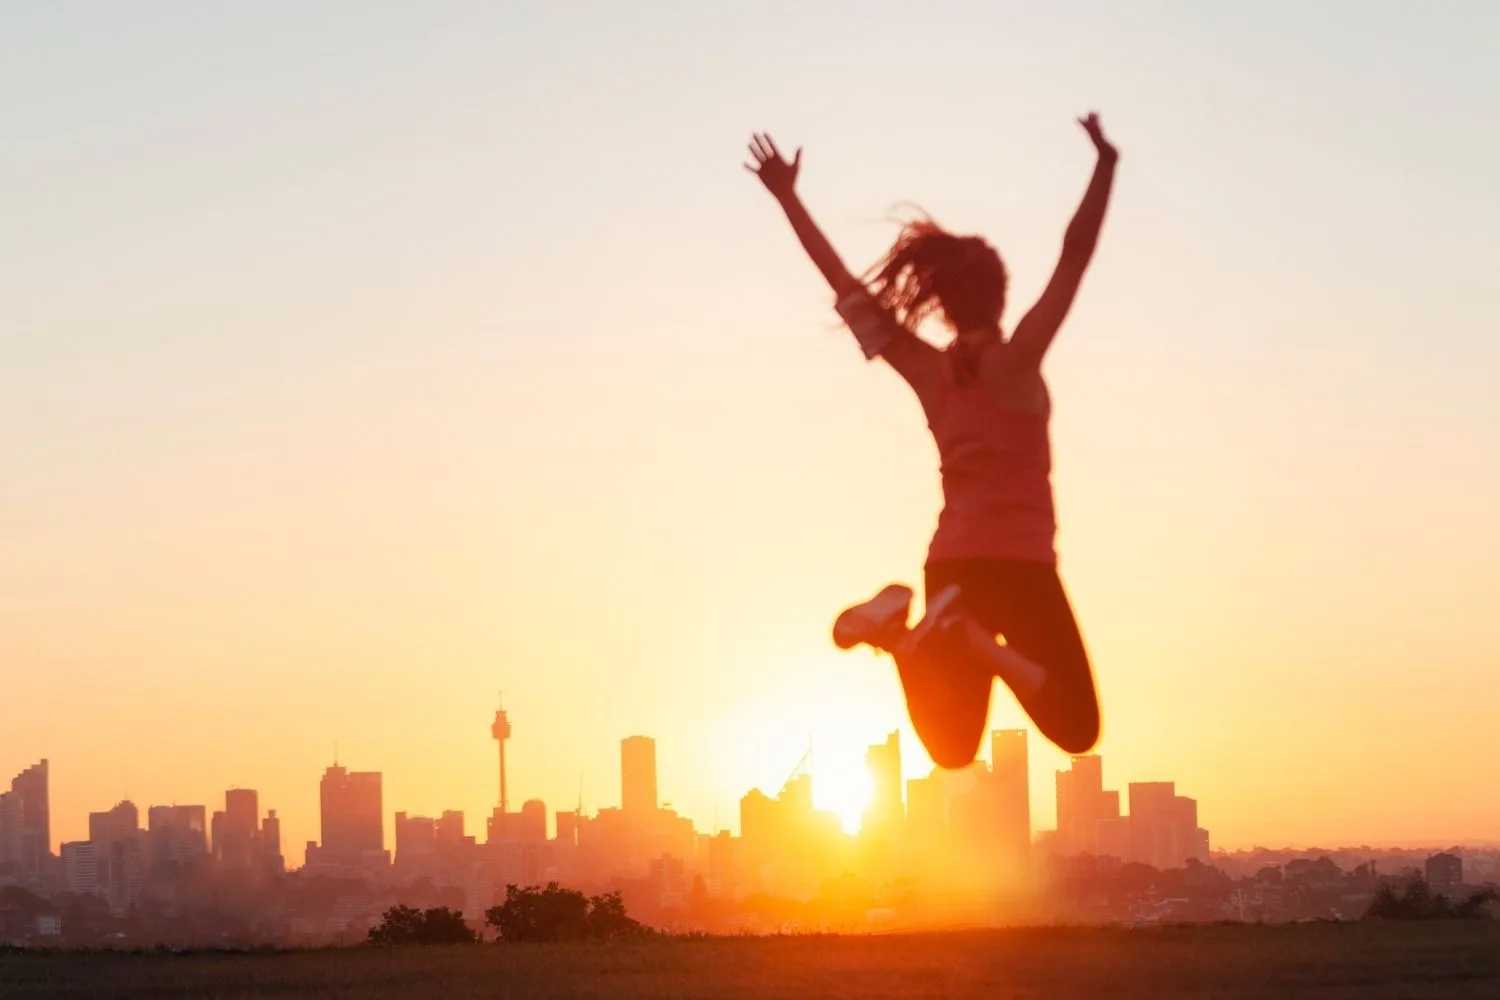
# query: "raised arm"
[877,331]
[780,178]
[1033,335]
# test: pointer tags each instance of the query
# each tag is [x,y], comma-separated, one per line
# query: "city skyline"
[954,845]
[960,837]
[353,817]
[851,800]
[954,828]
[367,824]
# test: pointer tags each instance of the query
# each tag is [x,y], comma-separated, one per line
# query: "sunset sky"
[361,361]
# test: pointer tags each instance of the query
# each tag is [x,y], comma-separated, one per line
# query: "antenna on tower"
[500,730]
[802,768]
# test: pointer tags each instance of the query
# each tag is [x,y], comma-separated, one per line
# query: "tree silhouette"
[557,914]
[607,917]
[535,914]
[1476,907]
[409,925]
[1417,901]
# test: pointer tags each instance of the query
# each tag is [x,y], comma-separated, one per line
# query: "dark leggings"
[1024,603]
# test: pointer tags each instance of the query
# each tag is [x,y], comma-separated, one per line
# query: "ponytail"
[929,269]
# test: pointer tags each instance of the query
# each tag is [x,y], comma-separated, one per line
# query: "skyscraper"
[25,821]
[236,829]
[241,810]
[10,828]
[885,814]
[176,834]
[638,775]
[1164,831]
[270,843]
[927,812]
[1010,773]
[351,814]
[416,841]
[450,830]
[532,826]
[81,868]
[119,854]
[1084,807]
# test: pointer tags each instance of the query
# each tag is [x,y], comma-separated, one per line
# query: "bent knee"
[952,758]
[1076,744]
[1077,734]
[952,750]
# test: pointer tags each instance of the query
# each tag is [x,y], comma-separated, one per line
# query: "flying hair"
[930,271]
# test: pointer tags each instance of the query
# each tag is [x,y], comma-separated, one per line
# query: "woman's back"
[996,468]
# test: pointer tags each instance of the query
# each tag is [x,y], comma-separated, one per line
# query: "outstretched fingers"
[758,153]
[763,150]
[767,163]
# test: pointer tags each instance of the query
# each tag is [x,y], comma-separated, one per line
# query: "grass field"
[1369,962]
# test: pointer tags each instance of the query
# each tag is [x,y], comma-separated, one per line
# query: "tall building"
[1161,830]
[352,821]
[638,775]
[721,847]
[500,730]
[1444,871]
[271,858]
[120,854]
[10,829]
[1084,808]
[885,815]
[423,844]
[81,868]
[242,811]
[533,825]
[1010,775]
[568,822]
[123,819]
[25,822]
[236,830]
[1164,831]
[927,812]
[416,843]
[786,845]
[176,834]
[449,832]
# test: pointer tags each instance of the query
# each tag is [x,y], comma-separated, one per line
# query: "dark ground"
[1365,961]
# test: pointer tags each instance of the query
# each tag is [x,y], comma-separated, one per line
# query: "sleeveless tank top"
[996,467]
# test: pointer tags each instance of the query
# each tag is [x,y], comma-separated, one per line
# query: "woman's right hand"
[1106,149]
[779,176]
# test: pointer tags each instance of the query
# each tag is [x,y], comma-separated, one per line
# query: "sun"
[843,786]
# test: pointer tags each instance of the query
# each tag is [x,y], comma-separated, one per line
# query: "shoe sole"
[936,608]
[867,619]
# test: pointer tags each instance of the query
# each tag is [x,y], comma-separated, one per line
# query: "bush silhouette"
[557,914]
[1417,901]
[409,925]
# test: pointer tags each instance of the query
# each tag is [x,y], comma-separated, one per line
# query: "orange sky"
[355,370]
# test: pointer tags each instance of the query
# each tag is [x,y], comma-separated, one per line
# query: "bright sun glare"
[843,787]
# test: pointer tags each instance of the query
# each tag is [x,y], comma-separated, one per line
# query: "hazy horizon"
[475,823]
[359,364]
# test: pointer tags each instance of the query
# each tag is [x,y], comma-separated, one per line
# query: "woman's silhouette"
[992,565]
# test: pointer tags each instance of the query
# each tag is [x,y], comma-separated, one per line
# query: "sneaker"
[880,621]
[938,609]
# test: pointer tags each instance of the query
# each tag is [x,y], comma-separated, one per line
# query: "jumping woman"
[995,605]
